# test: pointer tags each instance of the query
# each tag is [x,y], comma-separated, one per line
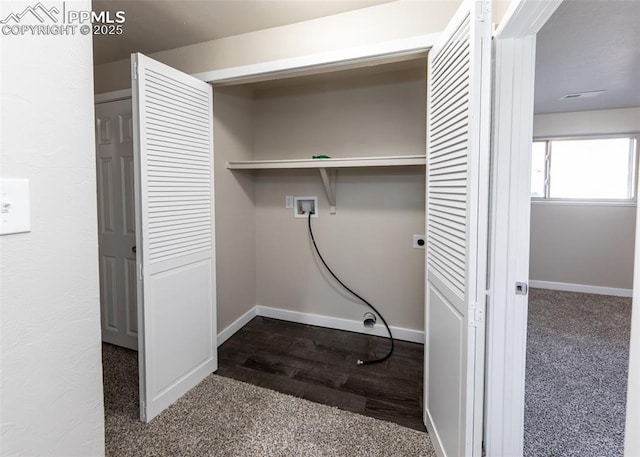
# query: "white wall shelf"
[348,162]
[328,167]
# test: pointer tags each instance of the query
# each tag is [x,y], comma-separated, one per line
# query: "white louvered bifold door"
[458,123]
[173,125]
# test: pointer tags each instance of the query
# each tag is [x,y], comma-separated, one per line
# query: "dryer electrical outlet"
[303,205]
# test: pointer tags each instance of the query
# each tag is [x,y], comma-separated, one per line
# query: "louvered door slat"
[451,116]
[171,132]
[172,110]
[455,280]
[446,226]
[452,152]
[177,230]
[170,92]
[177,127]
[448,136]
[452,214]
[453,94]
[456,245]
[162,109]
[455,72]
[173,89]
[202,95]
[453,44]
[180,157]
[179,122]
[166,243]
[176,104]
[459,205]
[174,219]
[446,168]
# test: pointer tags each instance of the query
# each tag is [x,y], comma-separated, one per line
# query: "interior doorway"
[582,234]
[116,223]
[515,70]
[117,256]
[578,329]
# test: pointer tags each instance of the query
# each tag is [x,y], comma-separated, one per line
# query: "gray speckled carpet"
[224,417]
[576,375]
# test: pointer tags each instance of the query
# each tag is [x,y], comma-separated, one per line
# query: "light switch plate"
[288,202]
[15,211]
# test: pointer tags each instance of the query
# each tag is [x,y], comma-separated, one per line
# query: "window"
[538,169]
[584,169]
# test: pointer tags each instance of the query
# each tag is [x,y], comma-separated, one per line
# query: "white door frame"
[340,59]
[510,206]
[515,47]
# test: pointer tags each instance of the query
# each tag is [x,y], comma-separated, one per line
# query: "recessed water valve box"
[302,206]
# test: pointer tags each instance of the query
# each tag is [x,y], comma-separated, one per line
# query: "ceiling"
[589,46]
[158,25]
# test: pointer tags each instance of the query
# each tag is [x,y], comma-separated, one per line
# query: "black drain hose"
[360,362]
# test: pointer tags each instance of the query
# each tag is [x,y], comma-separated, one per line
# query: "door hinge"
[483,8]
[135,70]
[477,315]
[143,412]
[140,271]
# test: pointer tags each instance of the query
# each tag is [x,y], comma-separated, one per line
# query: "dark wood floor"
[319,365]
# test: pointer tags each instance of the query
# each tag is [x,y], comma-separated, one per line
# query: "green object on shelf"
[320,156]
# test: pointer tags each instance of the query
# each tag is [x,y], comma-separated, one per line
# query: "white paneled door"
[173,141]
[458,123]
[116,223]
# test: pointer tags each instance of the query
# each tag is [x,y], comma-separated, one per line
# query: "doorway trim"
[341,59]
[515,47]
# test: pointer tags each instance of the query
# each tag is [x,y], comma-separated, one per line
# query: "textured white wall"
[51,370]
[578,244]
[607,121]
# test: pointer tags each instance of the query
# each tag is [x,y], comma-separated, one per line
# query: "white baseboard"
[581,288]
[236,325]
[399,333]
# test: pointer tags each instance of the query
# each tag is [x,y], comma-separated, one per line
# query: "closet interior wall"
[264,253]
[235,204]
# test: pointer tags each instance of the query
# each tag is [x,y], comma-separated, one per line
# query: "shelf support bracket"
[329,182]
